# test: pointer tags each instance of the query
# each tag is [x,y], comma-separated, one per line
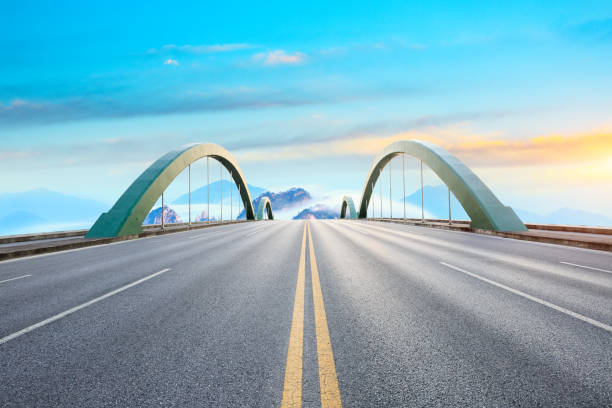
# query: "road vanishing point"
[308,313]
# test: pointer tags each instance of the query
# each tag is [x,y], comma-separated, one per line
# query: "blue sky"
[305,94]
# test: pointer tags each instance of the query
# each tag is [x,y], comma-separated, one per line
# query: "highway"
[317,313]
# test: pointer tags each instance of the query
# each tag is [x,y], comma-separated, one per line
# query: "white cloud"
[171,61]
[19,104]
[279,57]
[7,155]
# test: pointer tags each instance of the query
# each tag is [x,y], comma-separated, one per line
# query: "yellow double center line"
[328,380]
[292,391]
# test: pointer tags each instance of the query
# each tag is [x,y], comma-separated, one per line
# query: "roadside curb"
[530,235]
[32,248]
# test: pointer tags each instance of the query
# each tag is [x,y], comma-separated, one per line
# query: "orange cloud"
[475,150]
[553,149]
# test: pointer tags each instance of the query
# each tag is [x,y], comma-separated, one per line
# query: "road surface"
[362,313]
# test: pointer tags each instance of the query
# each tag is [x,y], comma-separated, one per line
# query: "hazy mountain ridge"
[435,199]
[565,216]
[436,202]
[18,221]
[200,195]
[317,212]
[293,197]
[43,210]
[32,210]
[154,217]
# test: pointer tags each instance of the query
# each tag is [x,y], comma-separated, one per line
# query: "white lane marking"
[253,233]
[210,233]
[12,279]
[408,229]
[523,260]
[586,267]
[357,229]
[256,231]
[206,234]
[77,308]
[534,299]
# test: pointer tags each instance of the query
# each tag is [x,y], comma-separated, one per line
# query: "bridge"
[358,311]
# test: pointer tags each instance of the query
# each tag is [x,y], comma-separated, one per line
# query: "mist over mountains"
[317,212]
[436,203]
[200,195]
[565,216]
[435,199]
[43,210]
[281,201]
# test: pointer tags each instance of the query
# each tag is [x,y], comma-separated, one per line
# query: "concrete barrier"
[9,239]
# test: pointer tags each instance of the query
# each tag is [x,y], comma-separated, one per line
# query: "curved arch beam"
[128,213]
[484,209]
[264,205]
[347,202]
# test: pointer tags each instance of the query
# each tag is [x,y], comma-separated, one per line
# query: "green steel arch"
[128,213]
[347,202]
[484,209]
[264,205]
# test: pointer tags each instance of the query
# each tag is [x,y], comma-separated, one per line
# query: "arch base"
[109,225]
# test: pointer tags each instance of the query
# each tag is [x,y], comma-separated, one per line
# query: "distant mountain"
[435,199]
[319,212]
[154,217]
[285,199]
[19,222]
[202,217]
[530,217]
[566,216]
[200,195]
[43,210]
[436,203]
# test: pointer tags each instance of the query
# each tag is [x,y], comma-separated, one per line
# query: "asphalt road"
[218,317]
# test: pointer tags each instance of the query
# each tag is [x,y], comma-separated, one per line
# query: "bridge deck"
[597,238]
[391,315]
